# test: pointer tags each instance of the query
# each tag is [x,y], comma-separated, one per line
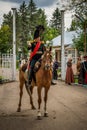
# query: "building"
[70,50]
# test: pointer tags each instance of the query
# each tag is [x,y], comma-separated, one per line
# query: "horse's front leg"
[45,102]
[30,91]
[39,102]
[20,98]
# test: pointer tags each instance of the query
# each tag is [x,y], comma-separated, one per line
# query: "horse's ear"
[44,48]
[50,49]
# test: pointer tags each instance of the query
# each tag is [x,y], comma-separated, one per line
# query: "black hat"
[36,34]
[37,31]
[39,27]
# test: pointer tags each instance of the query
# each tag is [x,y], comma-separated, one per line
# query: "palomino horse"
[43,80]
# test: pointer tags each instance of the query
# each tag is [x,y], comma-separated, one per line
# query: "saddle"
[37,66]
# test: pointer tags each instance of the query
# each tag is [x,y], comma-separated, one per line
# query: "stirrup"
[27,84]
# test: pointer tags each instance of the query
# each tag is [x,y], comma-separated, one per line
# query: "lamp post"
[14,45]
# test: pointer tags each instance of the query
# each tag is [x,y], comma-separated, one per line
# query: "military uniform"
[37,49]
[35,58]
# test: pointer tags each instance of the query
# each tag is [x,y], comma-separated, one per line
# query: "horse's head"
[47,60]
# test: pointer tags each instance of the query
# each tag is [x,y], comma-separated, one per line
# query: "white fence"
[6,67]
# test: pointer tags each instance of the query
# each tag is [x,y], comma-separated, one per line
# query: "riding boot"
[30,75]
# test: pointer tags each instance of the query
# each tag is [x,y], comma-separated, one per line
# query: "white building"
[70,50]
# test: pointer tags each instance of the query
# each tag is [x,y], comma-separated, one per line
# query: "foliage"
[50,33]
[80,22]
[73,25]
[55,22]
[27,18]
[23,27]
[32,16]
[5,44]
[79,42]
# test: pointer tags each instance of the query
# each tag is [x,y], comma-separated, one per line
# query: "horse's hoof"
[19,109]
[33,108]
[46,114]
[39,118]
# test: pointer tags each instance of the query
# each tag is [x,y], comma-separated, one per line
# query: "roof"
[68,38]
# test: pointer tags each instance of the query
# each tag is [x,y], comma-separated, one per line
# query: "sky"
[48,5]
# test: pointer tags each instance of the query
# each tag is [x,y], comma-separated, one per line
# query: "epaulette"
[32,41]
[42,42]
[35,41]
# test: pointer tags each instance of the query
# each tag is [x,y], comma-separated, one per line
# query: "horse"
[43,80]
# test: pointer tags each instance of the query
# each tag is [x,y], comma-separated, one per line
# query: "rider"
[37,49]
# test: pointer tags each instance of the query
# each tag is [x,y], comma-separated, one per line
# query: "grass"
[76,79]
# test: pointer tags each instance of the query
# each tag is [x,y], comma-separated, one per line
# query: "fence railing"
[6,66]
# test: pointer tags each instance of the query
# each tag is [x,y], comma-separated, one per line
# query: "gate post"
[14,45]
[62,47]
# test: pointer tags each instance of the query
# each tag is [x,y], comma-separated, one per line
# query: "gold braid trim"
[36,41]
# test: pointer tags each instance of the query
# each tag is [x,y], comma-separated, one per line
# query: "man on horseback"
[37,49]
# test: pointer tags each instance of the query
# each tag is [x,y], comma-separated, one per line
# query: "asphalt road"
[67,107]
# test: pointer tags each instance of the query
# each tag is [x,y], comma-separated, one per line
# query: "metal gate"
[6,67]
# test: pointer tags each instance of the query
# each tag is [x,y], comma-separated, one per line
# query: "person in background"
[52,81]
[69,73]
[78,66]
[55,68]
[84,70]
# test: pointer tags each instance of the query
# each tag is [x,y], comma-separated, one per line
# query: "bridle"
[47,60]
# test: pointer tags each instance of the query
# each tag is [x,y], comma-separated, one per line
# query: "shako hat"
[37,31]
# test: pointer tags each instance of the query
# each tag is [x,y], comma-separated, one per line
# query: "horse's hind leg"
[20,98]
[45,102]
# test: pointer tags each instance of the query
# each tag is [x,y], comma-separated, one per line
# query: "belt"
[39,52]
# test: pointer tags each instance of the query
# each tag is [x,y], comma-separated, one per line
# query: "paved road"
[67,107]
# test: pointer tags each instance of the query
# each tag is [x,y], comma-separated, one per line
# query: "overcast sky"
[48,5]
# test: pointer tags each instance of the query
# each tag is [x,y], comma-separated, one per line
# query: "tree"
[32,16]
[73,25]
[27,18]
[80,8]
[41,17]
[55,22]
[50,33]
[23,28]
[7,20]
[78,42]
[5,33]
